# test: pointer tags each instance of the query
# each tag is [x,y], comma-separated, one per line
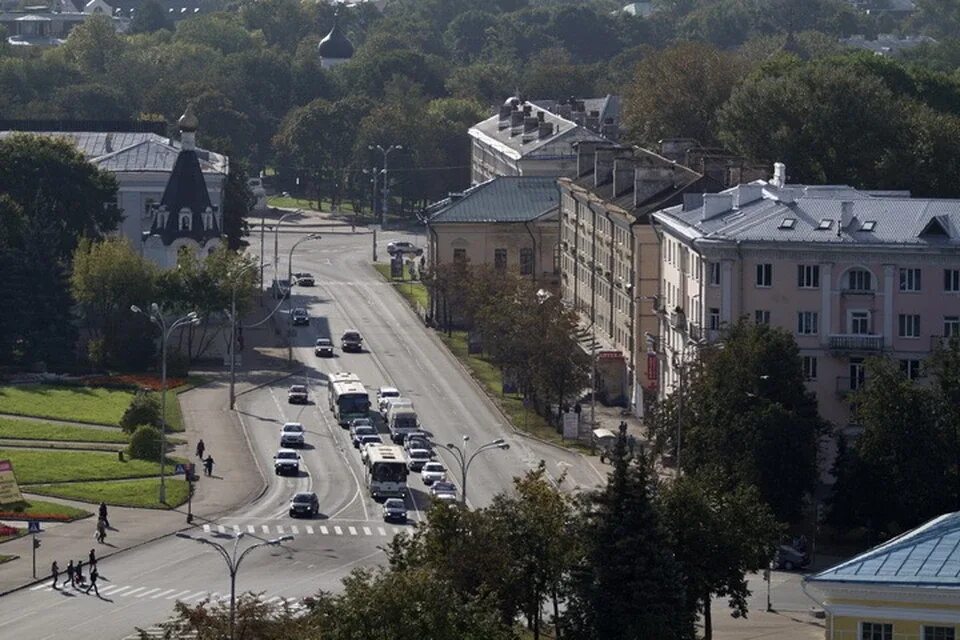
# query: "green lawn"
[32,467]
[412,290]
[127,493]
[7,558]
[76,404]
[305,203]
[41,510]
[32,430]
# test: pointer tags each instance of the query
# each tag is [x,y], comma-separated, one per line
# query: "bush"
[145,443]
[144,409]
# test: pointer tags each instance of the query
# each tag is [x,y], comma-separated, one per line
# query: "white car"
[286,462]
[291,435]
[404,247]
[433,472]
[446,491]
[384,394]
[359,431]
[418,458]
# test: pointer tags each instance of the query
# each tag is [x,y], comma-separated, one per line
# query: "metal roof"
[502,199]
[562,129]
[926,556]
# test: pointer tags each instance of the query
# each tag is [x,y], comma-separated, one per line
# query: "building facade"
[852,274]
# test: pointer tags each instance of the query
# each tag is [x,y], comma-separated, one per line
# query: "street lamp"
[233,562]
[463,460]
[165,331]
[386,154]
[276,245]
[312,236]
[232,314]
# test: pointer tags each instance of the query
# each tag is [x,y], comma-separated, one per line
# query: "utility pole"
[386,183]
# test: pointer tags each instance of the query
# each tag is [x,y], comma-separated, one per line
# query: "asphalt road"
[144,583]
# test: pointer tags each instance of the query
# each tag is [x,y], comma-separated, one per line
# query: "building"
[524,139]
[851,274]
[141,159]
[906,588]
[610,259]
[509,222]
[43,27]
[335,48]
[600,115]
[886,44]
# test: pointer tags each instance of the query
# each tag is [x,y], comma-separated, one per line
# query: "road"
[145,582]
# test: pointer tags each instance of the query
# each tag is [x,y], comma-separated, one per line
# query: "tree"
[238,201]
[92,44]
[467,34]
[92,101]
[146,443]
[144,409]
[150,16]
[627,583]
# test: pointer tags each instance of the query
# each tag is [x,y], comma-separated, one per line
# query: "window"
[460,255]
[714,319]
[807,322]
[809,367]
[764,275]
[500,259]
[761,316]
[714,274]
[859,280]
[910,369]
[869,225]
[876,631]
[909,279]
[526,261]
[860,323]
[909,325]
[951,326]
[825,224]
[938,633]
[857,372]
[808,276]
[788,223]
[951,280]
[184,222]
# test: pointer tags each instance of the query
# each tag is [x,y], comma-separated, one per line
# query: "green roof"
[502,199]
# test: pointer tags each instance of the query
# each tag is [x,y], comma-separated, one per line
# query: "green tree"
[144,409]
[92,44]
[238,201]
[145,443]
[92,101]
[467,34]
[150,16]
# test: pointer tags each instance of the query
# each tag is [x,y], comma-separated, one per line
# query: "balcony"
[856,343]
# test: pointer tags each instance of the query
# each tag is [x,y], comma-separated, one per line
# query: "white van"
[402,420]
[389,403]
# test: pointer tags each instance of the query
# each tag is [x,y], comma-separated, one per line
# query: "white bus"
[340,376]
[386,471]
[349,400]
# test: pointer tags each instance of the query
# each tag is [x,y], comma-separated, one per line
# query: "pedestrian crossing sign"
[179,469]
[33,526]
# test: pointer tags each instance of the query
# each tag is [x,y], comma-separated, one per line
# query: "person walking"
[79,572]
[92,560]
[94,574]
[101,530]
[103,514]
[208,465]
[55,573]
[200,448]
[71,576]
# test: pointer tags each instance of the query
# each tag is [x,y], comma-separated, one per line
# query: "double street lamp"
[232,315]
[464,458]
[233,561]
[156,317]
[386,191]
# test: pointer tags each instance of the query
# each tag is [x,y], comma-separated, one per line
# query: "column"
[826,303]
[889,275]
[726,294]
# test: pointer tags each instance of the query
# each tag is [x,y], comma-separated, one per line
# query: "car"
[404,247]
[362,430]
[433,472]
[298,394]
[418,458]
[300,316]
[281,289]
[323,347]
[410,444]
[303,279]
[394,510]
[385,404]
[789,558]
[351,341]
[305,504]
[446,491]
[365,439]
[286,462]
[383,396]
[291,435]
[360,422]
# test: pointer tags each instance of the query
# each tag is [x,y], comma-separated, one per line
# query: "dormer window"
[208,219]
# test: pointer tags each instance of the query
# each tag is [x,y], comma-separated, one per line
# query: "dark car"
[300,316]
[789,558]
[305,504]
[351,341]
[323,347]
[303,279]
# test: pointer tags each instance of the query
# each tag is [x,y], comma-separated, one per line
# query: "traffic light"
[36,543]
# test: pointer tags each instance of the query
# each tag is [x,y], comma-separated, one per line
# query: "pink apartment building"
[851,273]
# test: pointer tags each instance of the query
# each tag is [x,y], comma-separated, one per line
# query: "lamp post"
[233,327]
[233,562]
[263,227]
[312,236]
[276,244]
[386,191]
[464,460]
[165,332]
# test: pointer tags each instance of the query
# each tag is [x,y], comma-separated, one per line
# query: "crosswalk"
[342,529]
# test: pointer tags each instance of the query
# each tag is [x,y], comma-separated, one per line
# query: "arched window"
[184,222]
[859,280]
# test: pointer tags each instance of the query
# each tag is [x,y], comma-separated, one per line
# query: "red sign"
[610,355]
[653,366]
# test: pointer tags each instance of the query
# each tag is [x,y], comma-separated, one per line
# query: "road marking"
[324,530]
[206,528]
[221,528]
[138,590]
[161,594]
[279,529]
[146,593]
[309,530]
[236,530]
[382,531]
[338,531]
[273,599]
[265,529]
[177,595]
[352,530]
[39,586]
[112,588]
[194,596]
[293,529]
[367,532]
[250,529]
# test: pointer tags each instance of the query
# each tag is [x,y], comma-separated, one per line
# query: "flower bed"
[139,381]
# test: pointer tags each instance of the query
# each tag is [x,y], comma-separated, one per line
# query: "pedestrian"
[79,572]
[103,514]
[623,427]
[603,455]
[55,573]
[200,448]
[71,576]
[101,530]
[631,443]
[93,558]
[94,574]
[208,465]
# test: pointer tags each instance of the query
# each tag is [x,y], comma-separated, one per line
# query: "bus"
[386,471]
[349,400]
[339,376]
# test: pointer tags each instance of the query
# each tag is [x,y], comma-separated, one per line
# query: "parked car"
[394,510]
[298,394]
[446,491]
[291,435]
[300,316]
[789,558]
[360,431]
[286,462]
[433,472]
[305,504]
[418,458]
[351,341]
[404,247]
[303,279]
[383,396]
[323,347]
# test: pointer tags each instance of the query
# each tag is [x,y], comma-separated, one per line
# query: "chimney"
[846,214]
[747,193]
[563,110]
[610,131]
[586,153]
[592,121]
[530,125]
[779,175]
[108,143]
[516,122]
[650,180]
[676,148]
[545,130]
[716,203]
[623,172]
[504,119]
[604,162]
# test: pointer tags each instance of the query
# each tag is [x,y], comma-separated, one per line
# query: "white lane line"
[367,531]
[250,529]
[221,528]
[236,530]
[382,531]
[130,593]
[294,530]
[112,588]
[176,596]
[206,528]
[324,531]
[161,594]
[265,529]
[146,593]
[280,529]
[309,530]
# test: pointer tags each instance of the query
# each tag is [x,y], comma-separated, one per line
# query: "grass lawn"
[291,202]
[412,290]
[125,493]
[33,467]
[76,404]
[32,430]
[41,510]
[7,558]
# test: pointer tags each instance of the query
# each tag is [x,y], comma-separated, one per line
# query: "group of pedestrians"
[208,461]
[74,573]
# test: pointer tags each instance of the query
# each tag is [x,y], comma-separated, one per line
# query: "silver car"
[433,472]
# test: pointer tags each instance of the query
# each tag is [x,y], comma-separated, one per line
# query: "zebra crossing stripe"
[121,590]
[294,530]
[309,530]
[250,529]
[206,528]
[273,599]
[367,531]
[324,530]
[112,589]
[265,529]
[221,528]
[161,594]
[138,590]
[176,596]
[338,531]
[280,529]
[396,531]
[146,593]
[382,531]
[194,596]
[352,530]
[236,530]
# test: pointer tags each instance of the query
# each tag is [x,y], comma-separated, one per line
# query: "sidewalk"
[235,480]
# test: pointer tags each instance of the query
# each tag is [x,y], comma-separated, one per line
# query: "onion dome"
[335,45]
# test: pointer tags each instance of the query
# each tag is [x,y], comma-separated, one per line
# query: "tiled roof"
[926,556]
[503,199]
